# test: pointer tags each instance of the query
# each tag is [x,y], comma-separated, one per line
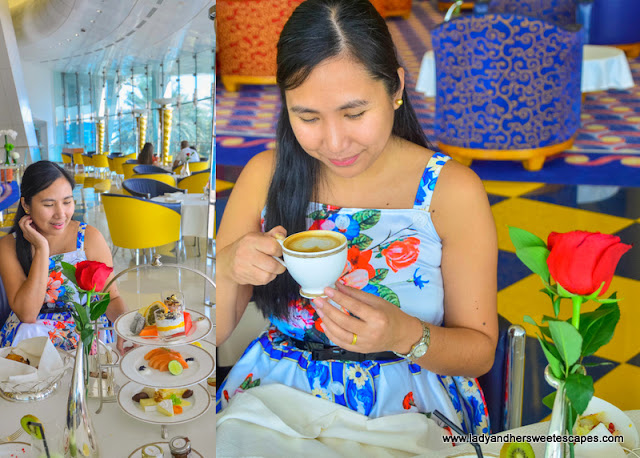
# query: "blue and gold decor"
[507,88]
[561,12]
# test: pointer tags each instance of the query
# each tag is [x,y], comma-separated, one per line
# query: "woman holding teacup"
[419,283]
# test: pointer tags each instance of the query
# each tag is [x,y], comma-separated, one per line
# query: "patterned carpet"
[607,147]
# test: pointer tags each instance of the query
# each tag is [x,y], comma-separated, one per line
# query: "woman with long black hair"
[43,235]
[420,282]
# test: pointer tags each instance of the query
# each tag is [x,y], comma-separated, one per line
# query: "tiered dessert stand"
[200,367]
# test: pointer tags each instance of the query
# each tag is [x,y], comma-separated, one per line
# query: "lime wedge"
[32,425]
[175,367]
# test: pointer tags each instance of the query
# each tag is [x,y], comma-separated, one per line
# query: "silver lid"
[180,444]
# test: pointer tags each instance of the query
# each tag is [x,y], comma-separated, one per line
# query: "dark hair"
[146,155]
[316,31]
[37,177]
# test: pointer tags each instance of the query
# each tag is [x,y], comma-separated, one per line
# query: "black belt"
[321,352]
[46,309]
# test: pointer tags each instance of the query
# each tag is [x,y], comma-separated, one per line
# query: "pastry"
[18,358]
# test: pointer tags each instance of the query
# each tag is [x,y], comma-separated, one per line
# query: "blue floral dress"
[59,326]
[394,254]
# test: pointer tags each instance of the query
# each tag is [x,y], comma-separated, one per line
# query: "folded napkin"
[276,420]
[40,352]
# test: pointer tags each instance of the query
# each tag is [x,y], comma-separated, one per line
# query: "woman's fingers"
[338,335]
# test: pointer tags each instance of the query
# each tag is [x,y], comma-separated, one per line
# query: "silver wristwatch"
[421,347]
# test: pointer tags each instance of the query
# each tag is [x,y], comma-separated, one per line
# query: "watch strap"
[425,339]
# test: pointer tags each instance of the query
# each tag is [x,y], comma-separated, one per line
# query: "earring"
[399,102]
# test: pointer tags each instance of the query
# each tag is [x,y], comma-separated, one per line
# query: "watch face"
[420,350]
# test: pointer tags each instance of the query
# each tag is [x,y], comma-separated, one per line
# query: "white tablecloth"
[603,67]
[118,434]
[194,213]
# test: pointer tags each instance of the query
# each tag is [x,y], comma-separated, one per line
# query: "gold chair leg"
[534,164]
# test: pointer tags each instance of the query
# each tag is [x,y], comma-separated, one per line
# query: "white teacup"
[315,259]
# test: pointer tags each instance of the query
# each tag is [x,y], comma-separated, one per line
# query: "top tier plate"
[201,328]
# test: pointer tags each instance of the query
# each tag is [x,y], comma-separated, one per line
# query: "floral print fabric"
[394,254]
[58,325]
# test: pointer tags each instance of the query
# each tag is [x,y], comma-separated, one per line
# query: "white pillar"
[15,112]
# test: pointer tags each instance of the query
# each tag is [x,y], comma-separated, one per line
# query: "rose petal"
[607,264]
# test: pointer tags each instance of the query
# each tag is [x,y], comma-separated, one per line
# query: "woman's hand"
[251,257]
[120,346]
[31,234]
[378,324]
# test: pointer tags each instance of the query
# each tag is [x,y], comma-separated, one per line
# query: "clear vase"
[80,435]
[185,172]
[559,412]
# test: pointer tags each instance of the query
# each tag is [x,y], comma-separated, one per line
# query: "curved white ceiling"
[89,35]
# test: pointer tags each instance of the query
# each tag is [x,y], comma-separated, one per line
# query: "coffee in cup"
[315,259]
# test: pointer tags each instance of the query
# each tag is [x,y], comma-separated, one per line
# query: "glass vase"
[559,412]
[80,435]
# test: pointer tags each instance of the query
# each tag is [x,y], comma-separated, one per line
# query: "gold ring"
[355,339]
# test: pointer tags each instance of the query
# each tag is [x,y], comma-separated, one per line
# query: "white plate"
[200,403]
[201,328]
[15,449]
[198,370]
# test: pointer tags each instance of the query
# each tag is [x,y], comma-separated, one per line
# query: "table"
[603,67]
[118,434]
[195,213]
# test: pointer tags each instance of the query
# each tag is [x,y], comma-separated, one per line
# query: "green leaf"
[98,308]
[535,258]
[524,239]
[362,241]
[318,214]
[567,340]
[544,330]
[69,271]
[549,399]
[556,305]
[579,390]
[563,292]
[595,294]
[86,334]
[388,295]
[597,327]
[379,276]
[367,218]
[553,357]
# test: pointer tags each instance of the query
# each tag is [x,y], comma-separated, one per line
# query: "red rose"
[580,261]
[92,275]
[402,253]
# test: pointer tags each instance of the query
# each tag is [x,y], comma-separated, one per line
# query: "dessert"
[588,422]
[137,324]
[160,358]
[167,401]
[170,321]
[165,407]
[18,358]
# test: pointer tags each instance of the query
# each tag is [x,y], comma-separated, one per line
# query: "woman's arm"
[465,344]
[243,252]
[26,294]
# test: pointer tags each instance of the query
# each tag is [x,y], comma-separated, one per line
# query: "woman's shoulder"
[91,233]
[256,175]
[7,242]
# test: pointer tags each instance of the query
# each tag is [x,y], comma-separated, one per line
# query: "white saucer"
[200,403]
[10,449]
[137,453]
[198,370]
[202,326]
